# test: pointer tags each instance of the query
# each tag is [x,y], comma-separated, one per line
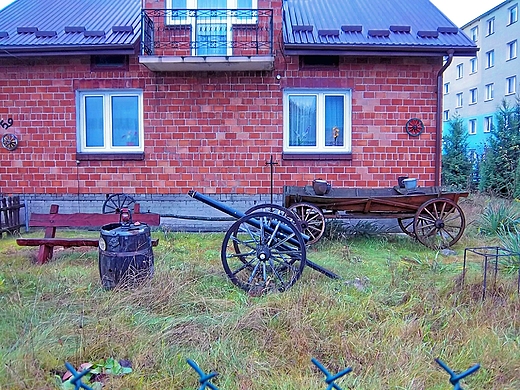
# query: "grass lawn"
[397,307]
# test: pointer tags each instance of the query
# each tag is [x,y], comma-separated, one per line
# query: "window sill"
[317,156]
[110,156]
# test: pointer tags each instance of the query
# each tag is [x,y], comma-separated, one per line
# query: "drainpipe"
[438,124]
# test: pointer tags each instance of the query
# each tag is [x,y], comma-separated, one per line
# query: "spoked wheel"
[439,223]
[263,252]
[312,220]
[277,209]
[406,225]
[116,202]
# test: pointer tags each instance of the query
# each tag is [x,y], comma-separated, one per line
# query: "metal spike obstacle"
[329,379]
[204,378]
[454,378]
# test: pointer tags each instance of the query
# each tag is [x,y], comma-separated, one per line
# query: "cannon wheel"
[263,252]
[116,202]
[277,209]
[439,223]
[406,225]
[312,220]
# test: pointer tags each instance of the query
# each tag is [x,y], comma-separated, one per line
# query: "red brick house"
[157,97]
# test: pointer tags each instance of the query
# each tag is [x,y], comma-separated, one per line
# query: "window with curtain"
[110,121]
[317,122]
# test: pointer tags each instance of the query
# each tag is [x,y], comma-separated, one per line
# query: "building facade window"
[446,115]
[472,126]
[110,121]
[459,100]
[513,14]
[474,33]
[460,71]
[490,26]
[490,91]
[473,96]
[317,121]
[473,65]
[446,88]
[490,59]
[512,48]
[488,124]
[511,85]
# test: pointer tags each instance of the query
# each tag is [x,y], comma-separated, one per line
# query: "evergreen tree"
[500,167]
[456,162]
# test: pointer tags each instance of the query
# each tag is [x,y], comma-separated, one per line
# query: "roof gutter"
[438,122]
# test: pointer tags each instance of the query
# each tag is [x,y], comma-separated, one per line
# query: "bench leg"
[45,252]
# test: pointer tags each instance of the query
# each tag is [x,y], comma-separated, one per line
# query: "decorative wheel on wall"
[116,202]
[414,127]
[10,141]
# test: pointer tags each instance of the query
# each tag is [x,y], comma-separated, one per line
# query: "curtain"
[302,120]
[334,120]
[125,121]
[94,121]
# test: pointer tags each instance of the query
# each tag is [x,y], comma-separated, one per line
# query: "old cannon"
[264,249]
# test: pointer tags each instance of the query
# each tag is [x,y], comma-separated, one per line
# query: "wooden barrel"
[125,254]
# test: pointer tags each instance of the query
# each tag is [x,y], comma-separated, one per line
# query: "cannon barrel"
[234,213]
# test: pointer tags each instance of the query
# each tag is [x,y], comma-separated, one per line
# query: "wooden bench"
[54,220]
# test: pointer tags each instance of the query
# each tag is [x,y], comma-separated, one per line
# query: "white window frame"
[490,91]
[446,88]
[474,34]
[473,96]
[488,124]
[490,59]
[107,115]
[460,100]
[320,147]
[192,20]
[490,26]
[512,49]
[446,115]
[472,126]
[473,65]
[460,71]
[511,85]
[513,14]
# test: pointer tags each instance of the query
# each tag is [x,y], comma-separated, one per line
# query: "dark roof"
[39,27]
[394,27]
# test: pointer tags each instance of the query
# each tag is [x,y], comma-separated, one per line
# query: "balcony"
[207,39]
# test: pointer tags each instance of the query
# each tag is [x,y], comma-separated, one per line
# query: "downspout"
[438,124]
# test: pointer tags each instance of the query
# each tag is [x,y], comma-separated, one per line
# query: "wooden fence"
[10,220]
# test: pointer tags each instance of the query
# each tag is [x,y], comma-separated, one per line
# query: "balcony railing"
[225,35]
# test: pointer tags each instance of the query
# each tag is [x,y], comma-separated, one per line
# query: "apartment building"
[474,87]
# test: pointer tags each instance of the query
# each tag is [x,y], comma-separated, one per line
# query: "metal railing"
[207,32]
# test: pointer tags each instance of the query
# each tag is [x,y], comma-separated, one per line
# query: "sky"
[459,12]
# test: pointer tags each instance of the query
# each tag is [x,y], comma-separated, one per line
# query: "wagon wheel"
[116,202]
[439,223]
[406,225]
[312,220]
[277,209]
[263,252]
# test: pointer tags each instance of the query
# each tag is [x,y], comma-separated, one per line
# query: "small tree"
[500,166]
[456,162]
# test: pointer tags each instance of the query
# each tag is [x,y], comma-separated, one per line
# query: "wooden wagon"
[429,214]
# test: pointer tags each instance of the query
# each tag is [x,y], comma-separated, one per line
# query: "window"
[490,91]
[474,33]
[317,121]
[472,126]
[211,22]
[110,121]
[446,88]
[513,14]
[460,71]
[473,96]
[459,100]
[512,49]
[488,124]
[446,115]
[473,65]
[490,26]
[510,85]
[490,59]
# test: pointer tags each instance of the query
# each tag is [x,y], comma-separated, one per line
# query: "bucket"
[410,184]
[125,254]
